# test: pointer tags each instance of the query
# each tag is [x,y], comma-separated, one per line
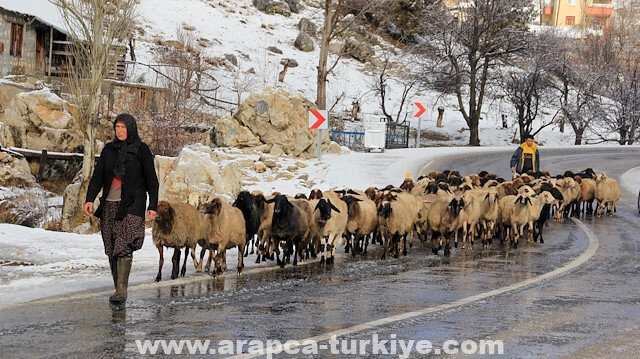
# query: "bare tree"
[622,81]
[334,13]
[381,82]
[98,29]
[529,86]
[183,73]
[464,48]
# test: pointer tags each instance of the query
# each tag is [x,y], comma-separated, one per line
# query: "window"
[570,20]
[15,48]
[571,2]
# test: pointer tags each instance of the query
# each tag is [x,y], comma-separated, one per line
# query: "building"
[34,43]
[30,45]
[591,14]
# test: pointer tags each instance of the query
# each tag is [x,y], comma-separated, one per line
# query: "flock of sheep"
[440,206]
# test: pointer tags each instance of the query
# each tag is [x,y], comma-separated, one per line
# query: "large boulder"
[15,172]
[197,174]
[360,51]
[278,117]
[304,42]
[41,120]
[228,132]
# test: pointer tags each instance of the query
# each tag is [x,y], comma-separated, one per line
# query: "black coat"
[140,179]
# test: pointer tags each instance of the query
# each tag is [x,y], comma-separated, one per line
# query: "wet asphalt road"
[585,305]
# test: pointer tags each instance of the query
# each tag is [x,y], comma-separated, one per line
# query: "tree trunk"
[321,95]
[282,73]
[440,116]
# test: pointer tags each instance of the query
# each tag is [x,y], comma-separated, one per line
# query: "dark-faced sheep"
[331,220]
[289,224]
[224,229]
[177,225]
[397,217]
[247,203]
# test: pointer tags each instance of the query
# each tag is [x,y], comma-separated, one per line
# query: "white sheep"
[526,211]
[177,225]
[224,229]
[397,217]
[362,221]
[607,194]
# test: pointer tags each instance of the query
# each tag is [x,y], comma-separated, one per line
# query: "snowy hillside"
[239,29]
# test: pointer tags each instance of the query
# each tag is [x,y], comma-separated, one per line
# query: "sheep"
[588,194]
[545,212]
[362,221]
[290,223]
[481,207]
[177,225]
[331,219]
[265,208]
[224,229]
[526,211]
[607,194]
[570,191]
[246,202]
[439,215]
[397,216]
[469,217]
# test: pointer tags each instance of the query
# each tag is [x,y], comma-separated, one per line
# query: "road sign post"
[418,113]
[318,120]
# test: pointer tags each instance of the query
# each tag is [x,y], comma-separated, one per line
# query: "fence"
[397,136]
[353,140]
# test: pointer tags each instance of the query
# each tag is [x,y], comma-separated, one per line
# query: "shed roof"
[43,10]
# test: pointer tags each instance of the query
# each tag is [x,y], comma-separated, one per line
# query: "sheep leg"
[277,254]
[322,251]
[195,260]
[404,245]
[160,262]
[240,258]
[183,271]
[207,267]
[435,245]
[447,244]
[176,262]
[295,254]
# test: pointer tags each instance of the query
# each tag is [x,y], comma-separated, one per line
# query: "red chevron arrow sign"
[318,120]
[421,109]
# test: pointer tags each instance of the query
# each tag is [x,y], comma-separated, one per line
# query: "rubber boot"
[113,264]
[123,269]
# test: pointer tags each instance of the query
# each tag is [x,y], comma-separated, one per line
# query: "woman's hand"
[151,215]
[88,209]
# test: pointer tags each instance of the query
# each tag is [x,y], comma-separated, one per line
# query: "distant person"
[125,173]
[526,157]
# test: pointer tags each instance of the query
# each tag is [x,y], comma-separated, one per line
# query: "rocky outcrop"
[304,42]
[360,51]
[197,174]
[15,172]
[276,118]
[41,120]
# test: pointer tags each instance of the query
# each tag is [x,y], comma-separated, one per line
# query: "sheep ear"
[269,200]
[333,207]
[317,206]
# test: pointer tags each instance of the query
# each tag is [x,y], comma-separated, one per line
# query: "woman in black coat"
[125,174]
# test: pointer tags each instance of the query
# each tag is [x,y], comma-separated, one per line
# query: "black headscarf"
[128,148]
